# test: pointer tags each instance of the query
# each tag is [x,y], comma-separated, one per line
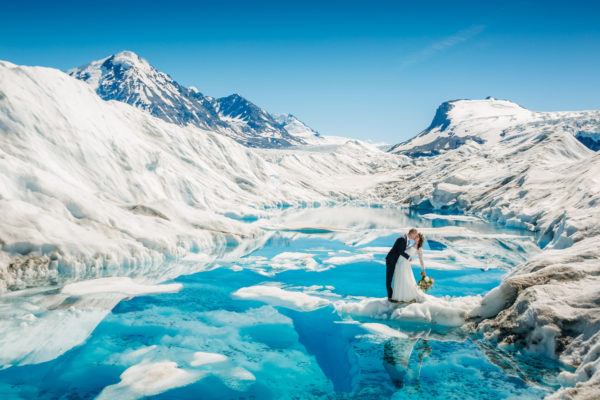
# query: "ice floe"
[202,358]
[148,379]
[277,296]
[447,311]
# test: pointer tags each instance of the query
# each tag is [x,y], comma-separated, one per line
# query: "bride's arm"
[420,252]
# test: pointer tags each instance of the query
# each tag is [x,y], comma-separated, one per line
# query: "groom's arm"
[402,243]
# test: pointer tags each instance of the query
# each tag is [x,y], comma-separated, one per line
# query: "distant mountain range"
[459,122]
[128,78]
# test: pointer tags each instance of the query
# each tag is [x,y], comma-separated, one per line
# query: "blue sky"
[369,69]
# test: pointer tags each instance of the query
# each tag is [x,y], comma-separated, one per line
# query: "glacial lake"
[267,325]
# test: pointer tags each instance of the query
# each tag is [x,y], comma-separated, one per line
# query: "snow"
[488,121]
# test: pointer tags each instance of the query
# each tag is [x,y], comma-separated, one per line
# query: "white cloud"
[433,49]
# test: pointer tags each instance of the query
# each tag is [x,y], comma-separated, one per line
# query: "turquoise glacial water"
[276,352]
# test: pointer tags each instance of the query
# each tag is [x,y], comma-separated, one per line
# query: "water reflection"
[397,354]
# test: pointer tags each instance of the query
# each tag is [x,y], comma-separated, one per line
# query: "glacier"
[101,201]
[92,187]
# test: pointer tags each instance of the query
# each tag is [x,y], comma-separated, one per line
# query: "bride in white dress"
[405,287]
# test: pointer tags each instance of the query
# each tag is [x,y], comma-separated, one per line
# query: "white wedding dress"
[404,285]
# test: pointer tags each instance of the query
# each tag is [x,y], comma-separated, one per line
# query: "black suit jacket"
[399,249]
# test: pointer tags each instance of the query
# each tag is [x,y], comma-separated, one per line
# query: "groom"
[399,249]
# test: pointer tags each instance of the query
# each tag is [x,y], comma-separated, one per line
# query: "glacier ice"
[91,189]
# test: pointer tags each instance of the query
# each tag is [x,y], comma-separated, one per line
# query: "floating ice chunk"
[148,379]
[449,311]
[202,358]
[122,285]
[349,259]
[383,330]
[280,297]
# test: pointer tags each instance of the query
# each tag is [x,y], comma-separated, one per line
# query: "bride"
[405,287]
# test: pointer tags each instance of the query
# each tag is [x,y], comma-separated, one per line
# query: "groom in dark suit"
[399,249]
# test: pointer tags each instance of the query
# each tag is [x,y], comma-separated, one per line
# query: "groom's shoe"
[392,300]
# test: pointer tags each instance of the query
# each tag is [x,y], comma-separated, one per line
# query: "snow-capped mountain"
[254,126]
[131,79]
[311,137]
[298,128]
[487,121]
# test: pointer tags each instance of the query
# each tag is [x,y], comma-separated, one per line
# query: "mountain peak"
[464,109]
[233,98]
[127,55]
[129,78]
[128,59]
[457,122]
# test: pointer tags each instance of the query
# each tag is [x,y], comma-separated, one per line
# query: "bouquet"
[426,283]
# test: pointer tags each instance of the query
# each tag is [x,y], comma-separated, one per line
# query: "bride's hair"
[421,241]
